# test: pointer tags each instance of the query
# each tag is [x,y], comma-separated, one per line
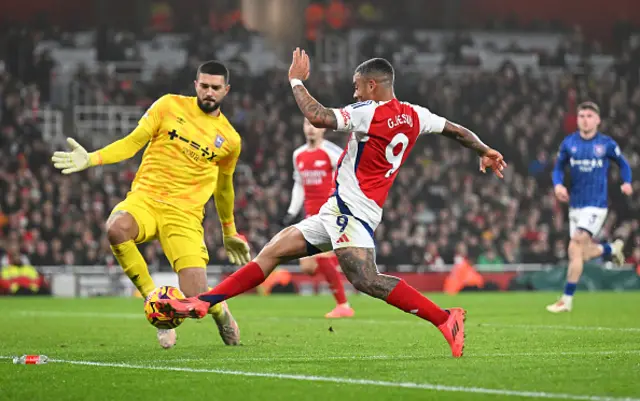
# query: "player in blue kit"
[587,152]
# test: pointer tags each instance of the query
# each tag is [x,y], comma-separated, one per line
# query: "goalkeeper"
[191,154]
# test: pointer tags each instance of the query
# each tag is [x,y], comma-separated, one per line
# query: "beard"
[208,107]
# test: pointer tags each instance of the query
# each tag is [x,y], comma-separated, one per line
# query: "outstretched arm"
[465,137]
[79,159]
[490,158]
[122,149]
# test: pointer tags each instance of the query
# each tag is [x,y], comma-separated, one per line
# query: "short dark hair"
[379,69]
[214,68]
[589,106]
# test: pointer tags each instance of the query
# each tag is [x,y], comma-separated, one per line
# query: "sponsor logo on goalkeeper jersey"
[192,149]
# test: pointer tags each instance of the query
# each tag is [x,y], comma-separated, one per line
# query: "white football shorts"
[589,219]
[333,229]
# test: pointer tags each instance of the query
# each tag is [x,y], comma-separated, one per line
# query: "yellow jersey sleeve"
[128,146]
[122,149]
[228,164]
[152,119]
[224,196]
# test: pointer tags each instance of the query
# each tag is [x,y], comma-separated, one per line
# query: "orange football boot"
[189,307]
[453,330]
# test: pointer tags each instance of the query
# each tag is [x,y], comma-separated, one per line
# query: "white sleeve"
[296,174]
[355,117]
[297,199]
[297,194]
[429,122]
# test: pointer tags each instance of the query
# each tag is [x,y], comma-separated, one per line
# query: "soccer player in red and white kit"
[382,132]
[314,164]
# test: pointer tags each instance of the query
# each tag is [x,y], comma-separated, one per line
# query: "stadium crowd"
[440,209]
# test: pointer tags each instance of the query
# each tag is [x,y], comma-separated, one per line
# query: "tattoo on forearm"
[315,112]
[464,137]
[359,265]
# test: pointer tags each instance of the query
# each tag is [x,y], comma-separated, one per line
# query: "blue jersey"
[589,161]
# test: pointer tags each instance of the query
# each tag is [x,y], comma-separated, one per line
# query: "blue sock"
[570,288]
[606,253]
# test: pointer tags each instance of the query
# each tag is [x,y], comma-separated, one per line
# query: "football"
[156,318]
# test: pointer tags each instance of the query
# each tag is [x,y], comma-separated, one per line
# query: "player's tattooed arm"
[359,265]
[318,115]
[464,137]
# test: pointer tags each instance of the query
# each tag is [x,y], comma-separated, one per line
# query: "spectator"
[489,260]
[439,211]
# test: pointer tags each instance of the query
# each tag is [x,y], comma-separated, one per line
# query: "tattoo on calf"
[359,265]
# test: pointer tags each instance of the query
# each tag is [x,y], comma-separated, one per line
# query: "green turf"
[513,344]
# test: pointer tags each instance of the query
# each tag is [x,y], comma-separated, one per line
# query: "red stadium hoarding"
[423,282]
[595,16]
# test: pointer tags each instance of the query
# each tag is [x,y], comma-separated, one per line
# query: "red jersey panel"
[382,135]
[313,170]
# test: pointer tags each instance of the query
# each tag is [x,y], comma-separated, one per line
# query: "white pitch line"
[361,382]
[559,327]
[100,315]
[43,313]
[325,358]
[321,358]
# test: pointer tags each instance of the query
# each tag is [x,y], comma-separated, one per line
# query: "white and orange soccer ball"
[156,318]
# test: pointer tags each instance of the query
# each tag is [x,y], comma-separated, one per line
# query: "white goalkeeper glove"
[74,161]
[237,249]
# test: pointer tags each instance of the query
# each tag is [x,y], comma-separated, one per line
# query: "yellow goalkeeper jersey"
[187,151]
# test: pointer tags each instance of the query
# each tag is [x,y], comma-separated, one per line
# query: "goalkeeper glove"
[237,249]
[74,161]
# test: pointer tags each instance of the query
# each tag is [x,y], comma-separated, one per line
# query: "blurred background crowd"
[440,208]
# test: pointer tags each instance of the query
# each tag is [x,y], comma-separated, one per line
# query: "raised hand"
[299,65]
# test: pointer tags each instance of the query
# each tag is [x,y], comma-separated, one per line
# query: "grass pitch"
[104,349]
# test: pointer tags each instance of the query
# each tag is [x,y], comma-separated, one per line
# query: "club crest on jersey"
[599,150]
[574,149]
[219,141]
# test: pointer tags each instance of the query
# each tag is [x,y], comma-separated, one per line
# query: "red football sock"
[407,298]
[327,266]
[248,277]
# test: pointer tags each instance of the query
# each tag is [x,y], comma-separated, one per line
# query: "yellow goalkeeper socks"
[216,310]
[134,266]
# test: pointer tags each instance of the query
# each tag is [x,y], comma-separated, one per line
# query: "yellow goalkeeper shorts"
[180,234]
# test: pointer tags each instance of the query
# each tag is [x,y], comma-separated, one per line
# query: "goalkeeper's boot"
[167,338]
[617,252]
[564,304]
[340,311]
[453,330]
[227,325]
[189,307]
